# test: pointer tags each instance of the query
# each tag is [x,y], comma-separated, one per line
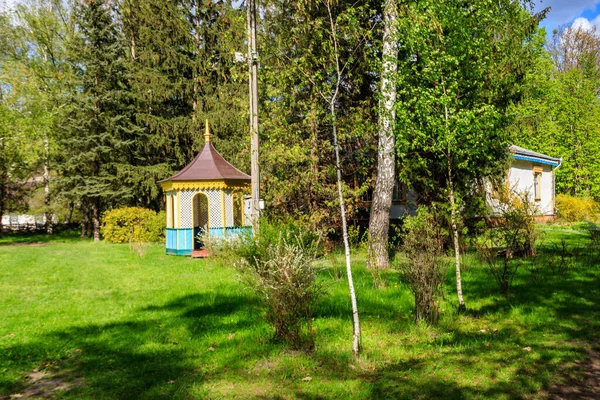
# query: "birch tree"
[379,221]
[328,83]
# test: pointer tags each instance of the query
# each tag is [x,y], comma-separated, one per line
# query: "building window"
[537,183]
[399,193]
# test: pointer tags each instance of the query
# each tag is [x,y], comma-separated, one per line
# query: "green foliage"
[297,68]
[459,70]
[255,247]
[34,75]
[278,265]
[559,114]
[576,209]
[357,237]
[423,266]
[180,65]
[98,125]
[133,224]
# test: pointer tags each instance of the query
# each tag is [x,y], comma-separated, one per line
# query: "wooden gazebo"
[207,196]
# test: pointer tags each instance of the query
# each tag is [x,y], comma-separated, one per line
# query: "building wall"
[520,178]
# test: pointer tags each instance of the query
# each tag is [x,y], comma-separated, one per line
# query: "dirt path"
[43,385]
[588,388]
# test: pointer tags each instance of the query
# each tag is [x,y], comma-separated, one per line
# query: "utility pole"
[253,69]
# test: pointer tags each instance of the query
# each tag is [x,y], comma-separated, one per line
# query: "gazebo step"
[200,253]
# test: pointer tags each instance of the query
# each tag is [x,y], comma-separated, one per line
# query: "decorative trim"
[210,184]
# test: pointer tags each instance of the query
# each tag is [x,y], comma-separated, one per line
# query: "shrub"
[424,266]
[255,247]
[133,224]
[278,265]
[512,234]
[573,209]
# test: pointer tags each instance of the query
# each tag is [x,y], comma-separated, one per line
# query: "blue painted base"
[181,241]
[173,252]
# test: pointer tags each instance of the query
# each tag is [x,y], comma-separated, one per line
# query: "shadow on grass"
[145,357]
[167,350]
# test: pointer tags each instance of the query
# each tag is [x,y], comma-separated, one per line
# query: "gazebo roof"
[208,165]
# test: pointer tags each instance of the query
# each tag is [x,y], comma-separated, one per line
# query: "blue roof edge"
[536,160]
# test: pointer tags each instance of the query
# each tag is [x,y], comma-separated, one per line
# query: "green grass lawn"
[120,326]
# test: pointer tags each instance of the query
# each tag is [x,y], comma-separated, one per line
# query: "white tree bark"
[379,221]
[461,300]
[332,102]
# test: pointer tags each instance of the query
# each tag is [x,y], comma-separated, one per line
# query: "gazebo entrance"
[200,212]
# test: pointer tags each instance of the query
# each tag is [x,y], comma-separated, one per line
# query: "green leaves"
[453,94]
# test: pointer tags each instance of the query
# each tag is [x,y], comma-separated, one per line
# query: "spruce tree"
[98,124]
[180,61]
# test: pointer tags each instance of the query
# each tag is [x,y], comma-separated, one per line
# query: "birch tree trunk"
[453,217]
[355,319]
[379,221]
[332,101]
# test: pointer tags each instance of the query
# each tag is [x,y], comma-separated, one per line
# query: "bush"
[278,265]
[511,235]
[573,209]
[424,266]
[133,224]
[255,247]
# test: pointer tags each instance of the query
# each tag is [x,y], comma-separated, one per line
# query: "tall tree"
[99,117]
[460,70]
[35,35]
[180,64]
[379,221]
[297,157]
[560,112]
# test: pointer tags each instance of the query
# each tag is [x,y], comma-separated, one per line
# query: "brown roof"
[208,165]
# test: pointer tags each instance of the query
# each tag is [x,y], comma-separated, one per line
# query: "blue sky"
[567,12]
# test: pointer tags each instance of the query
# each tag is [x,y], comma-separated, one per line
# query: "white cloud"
[586,24]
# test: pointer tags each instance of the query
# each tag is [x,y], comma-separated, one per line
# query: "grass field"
[108,324]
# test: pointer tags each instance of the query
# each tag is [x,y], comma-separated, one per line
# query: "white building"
[530,172]
[533,173]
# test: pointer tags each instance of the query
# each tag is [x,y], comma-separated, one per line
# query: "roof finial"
[207,133]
